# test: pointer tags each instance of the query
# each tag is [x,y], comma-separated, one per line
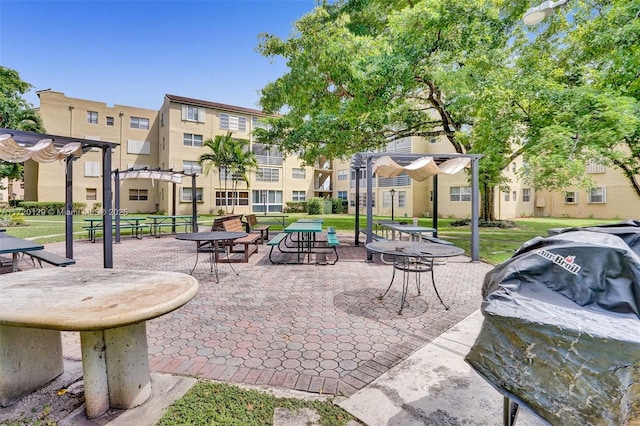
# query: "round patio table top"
[414,249]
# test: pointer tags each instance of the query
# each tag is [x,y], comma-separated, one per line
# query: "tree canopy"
[364,73]
[15,113]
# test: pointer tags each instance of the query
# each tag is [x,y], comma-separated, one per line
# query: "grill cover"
[561,330]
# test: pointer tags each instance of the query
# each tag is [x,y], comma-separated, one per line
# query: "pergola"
[17,146]
[423,169]
[175,177]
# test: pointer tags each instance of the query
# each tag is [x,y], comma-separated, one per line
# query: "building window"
[191,167]
[134,166]
[266,201]
[267,155]
[139,123]
[267,174]
[299,196]
[402,198]
[110,121]
[460,193]
[138,195]
[343,174]
[506,195]
[138,147]
[192,113]
[513,167]
[233,122]
[92,117]
[298,173]
[186,194]
[190,139]
[257,123]
[92,169]
[433,140]
[526,195]
[514,196]
[342,195]
[598,195]
[91,194]
[232,198]
[593,168]
[571,197]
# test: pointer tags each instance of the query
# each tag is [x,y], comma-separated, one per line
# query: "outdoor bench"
[276,240]
[437,240]
[332,240]
[157,228]
[250,241]
[50,258]
[374,236]
[137,230]
[255,227]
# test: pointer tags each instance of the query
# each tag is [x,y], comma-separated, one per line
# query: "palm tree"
[230,157]
[244,162]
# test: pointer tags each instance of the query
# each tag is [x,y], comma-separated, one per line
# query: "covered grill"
[561,330]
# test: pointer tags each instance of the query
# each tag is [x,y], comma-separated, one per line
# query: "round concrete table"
[108,307]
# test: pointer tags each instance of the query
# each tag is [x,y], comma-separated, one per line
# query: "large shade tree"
[363,73]
[15,113]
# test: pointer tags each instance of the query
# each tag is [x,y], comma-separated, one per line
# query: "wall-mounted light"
[535,15]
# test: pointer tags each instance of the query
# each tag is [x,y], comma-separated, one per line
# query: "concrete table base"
[27,349]
[115,364]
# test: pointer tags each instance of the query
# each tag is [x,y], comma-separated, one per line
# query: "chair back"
[233,225]
[251,220]
[217,224]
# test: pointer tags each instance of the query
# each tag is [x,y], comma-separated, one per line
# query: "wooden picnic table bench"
[256,227]
[249,243]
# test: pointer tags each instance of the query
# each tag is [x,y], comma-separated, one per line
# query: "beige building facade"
[173,137]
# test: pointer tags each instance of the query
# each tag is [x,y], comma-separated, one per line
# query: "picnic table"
[15,246]
[108,307]
[301,239]
[164,221]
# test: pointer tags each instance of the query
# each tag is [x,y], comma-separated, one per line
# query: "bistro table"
[108,307]
[15,246]
[413,257]
[218,240]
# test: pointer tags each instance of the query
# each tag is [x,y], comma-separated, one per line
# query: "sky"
[132,53]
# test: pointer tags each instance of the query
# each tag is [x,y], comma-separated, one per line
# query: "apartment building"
[173,136]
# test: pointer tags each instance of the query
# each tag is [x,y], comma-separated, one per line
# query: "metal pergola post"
[107,205]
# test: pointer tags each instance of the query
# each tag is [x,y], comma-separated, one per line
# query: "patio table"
[414,232]
[218,240]
[15,246]
[413,257]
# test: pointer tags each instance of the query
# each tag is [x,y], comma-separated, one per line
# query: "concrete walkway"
[434,386]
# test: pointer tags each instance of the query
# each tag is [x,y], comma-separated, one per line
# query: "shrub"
[337,206]
[314,206]
[503,224]
[296,206]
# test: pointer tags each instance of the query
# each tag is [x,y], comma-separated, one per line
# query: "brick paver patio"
[315,328]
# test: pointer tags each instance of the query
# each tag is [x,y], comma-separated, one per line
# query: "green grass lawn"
[210,403]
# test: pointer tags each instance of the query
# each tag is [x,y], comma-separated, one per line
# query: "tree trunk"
[487,209]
